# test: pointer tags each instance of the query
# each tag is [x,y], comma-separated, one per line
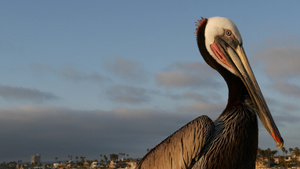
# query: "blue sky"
[85,78]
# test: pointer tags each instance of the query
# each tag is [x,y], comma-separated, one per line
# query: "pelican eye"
[228,33]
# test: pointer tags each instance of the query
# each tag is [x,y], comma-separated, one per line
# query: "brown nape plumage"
[201,41]
[231,141]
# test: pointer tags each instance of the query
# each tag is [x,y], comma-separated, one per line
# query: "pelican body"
[231,141]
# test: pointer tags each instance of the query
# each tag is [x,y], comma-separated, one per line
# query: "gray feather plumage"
[203,144]
[183,148]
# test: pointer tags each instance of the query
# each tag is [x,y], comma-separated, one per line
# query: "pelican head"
[221,46]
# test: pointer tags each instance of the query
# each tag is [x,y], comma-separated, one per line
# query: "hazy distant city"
[285,158]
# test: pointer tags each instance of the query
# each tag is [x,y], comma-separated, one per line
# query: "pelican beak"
[239,62]
[233,55]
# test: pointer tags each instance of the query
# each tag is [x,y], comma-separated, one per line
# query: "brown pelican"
[231,141]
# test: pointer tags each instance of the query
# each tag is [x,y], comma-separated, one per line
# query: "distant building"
[35,159]
[112,164]
[131,164]
[94,164]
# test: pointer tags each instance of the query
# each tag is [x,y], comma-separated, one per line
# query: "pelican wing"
[182,149]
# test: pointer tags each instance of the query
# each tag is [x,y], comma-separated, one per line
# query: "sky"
[85,78]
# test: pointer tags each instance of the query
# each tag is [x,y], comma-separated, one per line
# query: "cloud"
[286,118]
[11,93]
[288,89]
[41,68]
[280,61]
[74,74]
[188,74]
[188,95]
[281,105]
[193,67]
[128,94]
[213,110]
[285,112]
[284,39]
[70,73]
[177,79]
[59,132]
[207,96]
[125,68]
